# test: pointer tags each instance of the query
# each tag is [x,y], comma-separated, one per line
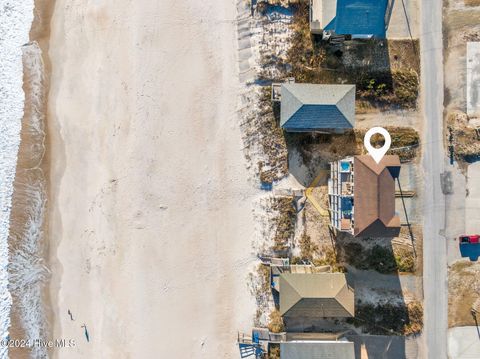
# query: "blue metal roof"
[360,17]
[310,117]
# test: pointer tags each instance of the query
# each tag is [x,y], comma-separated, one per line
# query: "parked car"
[472,239]
[469,246]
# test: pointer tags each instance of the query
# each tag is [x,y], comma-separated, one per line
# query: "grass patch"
[405,87]
[460,266]
[329,258]
[463,291]
[274,351]
[415,318]
[472,2]
[275,324]
[272,141]
[405,260]
[464,139]
[308,249]
[405,143]
[260,280]
[284,222]
[259,285]
[389,319]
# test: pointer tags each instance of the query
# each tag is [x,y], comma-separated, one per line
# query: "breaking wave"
[23,273]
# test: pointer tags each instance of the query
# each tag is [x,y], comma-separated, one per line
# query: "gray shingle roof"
[316,294]
[307,107]
[317,350]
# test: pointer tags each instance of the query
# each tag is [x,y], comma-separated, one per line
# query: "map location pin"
[377,153]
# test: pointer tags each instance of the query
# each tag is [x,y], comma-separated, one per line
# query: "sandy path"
[151,219]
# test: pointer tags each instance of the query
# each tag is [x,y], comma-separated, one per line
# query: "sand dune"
[150,206]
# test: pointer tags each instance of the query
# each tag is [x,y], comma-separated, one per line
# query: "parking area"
[464,343]
[409,181]
[404,20]
[472,203]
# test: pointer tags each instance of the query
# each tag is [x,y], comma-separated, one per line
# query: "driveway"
[464,343]
[400,24]
[472,207]
[384,347]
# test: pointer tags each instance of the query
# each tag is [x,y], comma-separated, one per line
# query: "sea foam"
[15,21]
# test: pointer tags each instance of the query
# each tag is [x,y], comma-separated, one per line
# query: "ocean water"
[15,21]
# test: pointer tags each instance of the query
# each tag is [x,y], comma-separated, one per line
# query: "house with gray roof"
[319,108]
[317,349]
[315,295]
[297,345]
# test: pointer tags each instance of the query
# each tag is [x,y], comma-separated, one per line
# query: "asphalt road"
[434,246]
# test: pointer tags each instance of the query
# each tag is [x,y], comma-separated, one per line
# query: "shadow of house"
[379,347]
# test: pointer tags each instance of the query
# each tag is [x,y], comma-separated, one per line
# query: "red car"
[471,239]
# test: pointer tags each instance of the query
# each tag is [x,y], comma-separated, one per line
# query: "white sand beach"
[150,209]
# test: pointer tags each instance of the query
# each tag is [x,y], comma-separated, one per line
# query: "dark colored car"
[472,239]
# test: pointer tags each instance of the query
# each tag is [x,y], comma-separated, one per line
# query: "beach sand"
[150,207]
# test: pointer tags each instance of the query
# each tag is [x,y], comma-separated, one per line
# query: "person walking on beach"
[86,332]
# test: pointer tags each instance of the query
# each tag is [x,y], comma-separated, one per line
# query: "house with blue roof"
[358,18]
[318,108]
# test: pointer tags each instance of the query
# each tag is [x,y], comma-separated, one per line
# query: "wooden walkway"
[321,176]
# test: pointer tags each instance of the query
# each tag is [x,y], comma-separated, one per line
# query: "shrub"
[307,247]
[275,325]
[274,351]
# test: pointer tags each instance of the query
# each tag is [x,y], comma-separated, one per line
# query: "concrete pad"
[398,28]
[409,178]
[455,221]
[473,79]
[463,343]
[472,210]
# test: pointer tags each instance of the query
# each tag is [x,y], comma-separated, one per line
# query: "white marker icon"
[377,153]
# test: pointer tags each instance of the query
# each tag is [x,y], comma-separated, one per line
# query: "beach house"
[296,345]
[362,196]
[316,345]
[311,296]
[317,108]
[356,18]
